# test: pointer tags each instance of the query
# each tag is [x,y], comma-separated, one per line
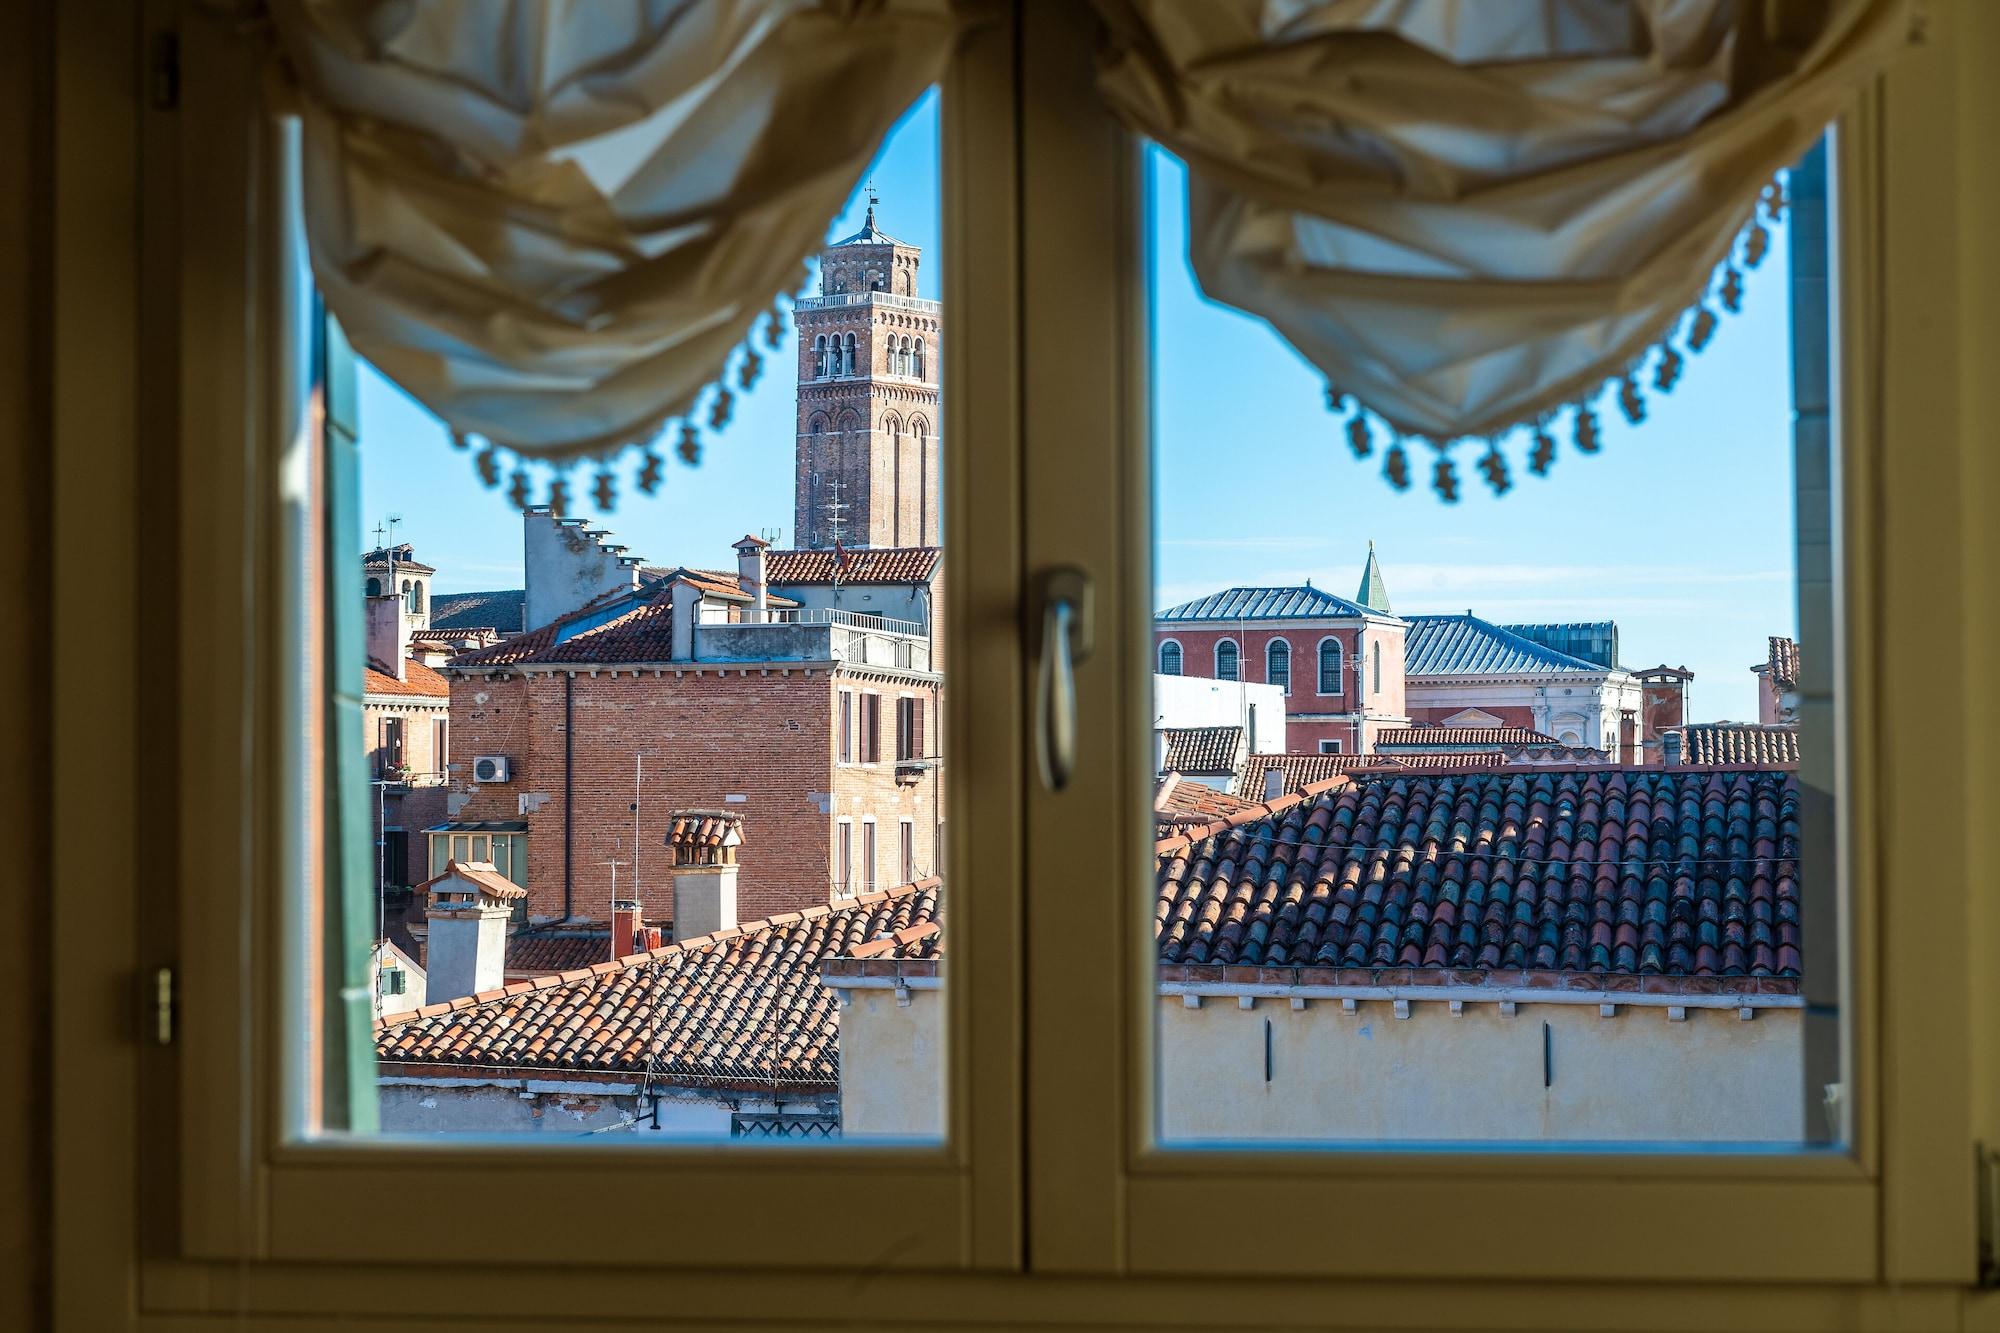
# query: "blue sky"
[1679,529]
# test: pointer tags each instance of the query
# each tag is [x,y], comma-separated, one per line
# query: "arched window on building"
[909,361]
[1225,660]
[1278,664]
[819,357]
[847,355]
[1170,658]
[1329,666]
[417,598]
[1375,668]
[918,362]
[374,587]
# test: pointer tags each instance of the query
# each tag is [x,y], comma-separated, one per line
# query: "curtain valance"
[555,222]
[1469,214]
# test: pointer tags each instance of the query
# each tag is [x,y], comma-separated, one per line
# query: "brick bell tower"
[868,398]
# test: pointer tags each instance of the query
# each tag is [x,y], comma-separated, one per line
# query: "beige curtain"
[555,222]
[1471,213]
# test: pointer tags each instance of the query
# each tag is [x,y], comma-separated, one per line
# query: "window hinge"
[161,1004]
[1986,1182]
[165,92]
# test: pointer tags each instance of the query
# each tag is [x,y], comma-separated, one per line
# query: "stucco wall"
[1477,1076]
[527,1106]
[1202,701]
[892,1064]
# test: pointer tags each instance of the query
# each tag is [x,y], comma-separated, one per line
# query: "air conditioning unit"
[489,768]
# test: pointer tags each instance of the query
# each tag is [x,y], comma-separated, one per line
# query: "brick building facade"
[868,399]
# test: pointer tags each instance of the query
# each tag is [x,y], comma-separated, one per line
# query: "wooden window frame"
[193,1208]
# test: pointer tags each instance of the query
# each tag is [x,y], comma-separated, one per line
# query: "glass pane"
[1504,821]
[625,899]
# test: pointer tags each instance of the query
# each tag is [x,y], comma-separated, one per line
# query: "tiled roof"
[382,555]
[869,564]
[1468,646]
[1301,769]
[703,828]
[504,610]
[1179,801]
[743,1007]
[1202,749]
[643,634]
[1606,871]
[418,681]
[1419,735]
[1740,743]
[925,939]
[1302,603]
[1783,662]
[565,951]
[482,873]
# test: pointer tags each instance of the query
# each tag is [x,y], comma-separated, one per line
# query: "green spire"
[1374,593]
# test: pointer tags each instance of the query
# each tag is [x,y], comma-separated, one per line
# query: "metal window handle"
[1065,642]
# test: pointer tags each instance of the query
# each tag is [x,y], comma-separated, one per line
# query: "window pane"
[1535,859]
[643,721]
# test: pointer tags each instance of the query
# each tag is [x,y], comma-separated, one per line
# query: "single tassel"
[690,446]
[1336,399]
[1358,437]
[1702,329]
[1396,467]
[1444,479]
[1543,455]
[519,490]
[605,492]
[718,411]
[1732,290]
[460,440]
[488,466]
[651,473]
[559,497]
[1494,465]
[752,367]
[1775,201]
[1630,401]
[774,328]
[1586,429]
[1668,372]
[1756,244]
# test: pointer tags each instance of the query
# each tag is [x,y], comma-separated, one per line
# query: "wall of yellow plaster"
[1477,1076]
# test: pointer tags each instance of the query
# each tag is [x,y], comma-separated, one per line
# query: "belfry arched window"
[1278,664]
[847,355]
[918,370]
[1329,666]
[1225,660]
[1375,668]
[819,357]
[417,598]
[1170,658]
[374,587]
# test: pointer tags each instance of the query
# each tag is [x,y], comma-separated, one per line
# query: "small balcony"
[815,635]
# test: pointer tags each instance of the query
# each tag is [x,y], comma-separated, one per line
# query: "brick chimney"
[466,951]
[703,844]
[750,573]
[624,927]
[388,634]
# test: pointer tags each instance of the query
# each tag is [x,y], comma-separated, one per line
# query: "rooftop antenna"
[873,199]
[771,535]
[835,510]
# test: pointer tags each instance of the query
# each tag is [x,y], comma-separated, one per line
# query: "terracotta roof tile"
[1395,737]
[643,634]
[1783,662]
[482,873]
[743,1007]
[1740,743]
[1678,871]
[1202,749]
[883,564]
[419,681]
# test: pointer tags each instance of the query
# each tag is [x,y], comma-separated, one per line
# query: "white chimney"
[466,951]
[750,573]
[1670,748]
[1274,783]
[388,634]
[1159,751]
[687,609]
[703,844]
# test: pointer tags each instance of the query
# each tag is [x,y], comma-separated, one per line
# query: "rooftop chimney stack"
[1670,748]
[625,923]
[466,951]
[388,633]
[1159,751]
[1274,783]
[703,844]
[750,573]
